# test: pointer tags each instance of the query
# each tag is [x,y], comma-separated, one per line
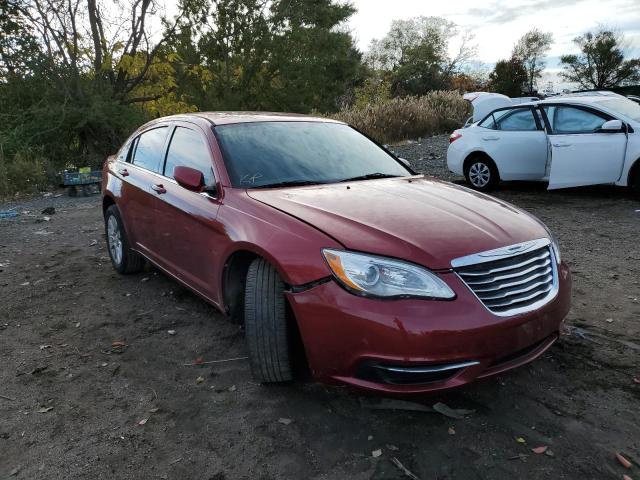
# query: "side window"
[123,154]
[517,120]
[575,120]
[188,149]
[149,149]
[488,122]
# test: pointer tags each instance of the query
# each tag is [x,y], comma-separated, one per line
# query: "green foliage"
[25,173]
[601,63]
[410,117]
[372,92]
[508,77]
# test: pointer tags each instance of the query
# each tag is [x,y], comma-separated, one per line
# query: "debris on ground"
[521,440]
[8,214]
[200,360]
[14,472]
[539,450]
[48,211]
[45,409]
[171,332]
[200,380]
[232,388]
[451,431]
[457,413]
[408,473]
[376,453]
[285,421]
[8,398]
[623,461]
[143,421]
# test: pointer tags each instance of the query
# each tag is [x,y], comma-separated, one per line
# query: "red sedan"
[336,257]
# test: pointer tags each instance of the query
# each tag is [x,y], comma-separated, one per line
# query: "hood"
[419,219]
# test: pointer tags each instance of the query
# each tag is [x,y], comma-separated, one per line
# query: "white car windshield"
[623,106]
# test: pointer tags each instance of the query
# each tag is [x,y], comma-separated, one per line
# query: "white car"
[568,141]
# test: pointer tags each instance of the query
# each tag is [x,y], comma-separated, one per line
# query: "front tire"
[123,259]
[266,329]
[481,174]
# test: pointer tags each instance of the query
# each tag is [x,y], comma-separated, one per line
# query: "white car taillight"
[454,136]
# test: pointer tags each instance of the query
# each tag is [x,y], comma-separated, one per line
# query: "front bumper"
[368,343]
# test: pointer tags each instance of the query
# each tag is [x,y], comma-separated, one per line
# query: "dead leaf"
[285,421]
[623,461]
[452,431]
[458,413]
[521,440]
[118,344]
[539,450]
[143,421]
[44,409]
[376,453]
[199,380]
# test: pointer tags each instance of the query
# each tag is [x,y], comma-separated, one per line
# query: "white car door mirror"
[611,126]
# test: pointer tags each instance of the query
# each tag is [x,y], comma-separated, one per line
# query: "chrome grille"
[511,280]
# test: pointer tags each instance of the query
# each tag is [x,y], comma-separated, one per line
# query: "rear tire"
[266,330]
[481,174]
[635,181]
[123,259]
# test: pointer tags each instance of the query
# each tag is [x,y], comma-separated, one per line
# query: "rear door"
[190,239]
[515,139]
[580,153]
[141,176]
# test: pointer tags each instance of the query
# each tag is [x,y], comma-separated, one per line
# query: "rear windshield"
[623,106]
[268,153]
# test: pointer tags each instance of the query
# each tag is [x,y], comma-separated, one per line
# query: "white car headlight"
[384,277]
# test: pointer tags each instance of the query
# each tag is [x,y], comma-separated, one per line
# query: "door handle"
[124,172]
[561,145]
[491,138]
[159,189]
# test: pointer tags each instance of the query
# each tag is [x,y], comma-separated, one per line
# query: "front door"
[188,233]
[580,153]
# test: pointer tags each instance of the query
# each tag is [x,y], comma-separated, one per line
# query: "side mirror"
[405,162]
[611,126]
[189,178]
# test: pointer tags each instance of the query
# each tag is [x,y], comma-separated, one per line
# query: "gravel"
[427,155]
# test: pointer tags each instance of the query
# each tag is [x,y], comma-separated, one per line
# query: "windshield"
[623,106]
[262,154]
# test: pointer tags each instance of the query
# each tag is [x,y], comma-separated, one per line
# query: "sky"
[497,24]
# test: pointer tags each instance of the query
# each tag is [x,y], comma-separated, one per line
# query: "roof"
[224,118]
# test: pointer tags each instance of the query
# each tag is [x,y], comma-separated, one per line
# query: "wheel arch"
[107,201]
[475,154]
[632,178]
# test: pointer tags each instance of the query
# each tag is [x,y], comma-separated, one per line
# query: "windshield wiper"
[369,176]
[289,183]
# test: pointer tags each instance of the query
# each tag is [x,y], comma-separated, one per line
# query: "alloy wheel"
[114,239]
[479,174]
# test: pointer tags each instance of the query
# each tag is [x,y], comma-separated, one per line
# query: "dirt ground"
[73,405]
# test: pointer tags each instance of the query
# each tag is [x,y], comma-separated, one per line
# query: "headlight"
[384,277]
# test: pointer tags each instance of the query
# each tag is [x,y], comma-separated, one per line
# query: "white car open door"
[582,152]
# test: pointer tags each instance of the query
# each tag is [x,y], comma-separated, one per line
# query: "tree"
[601,63]
[530,50]
[416,51]
[508,77]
